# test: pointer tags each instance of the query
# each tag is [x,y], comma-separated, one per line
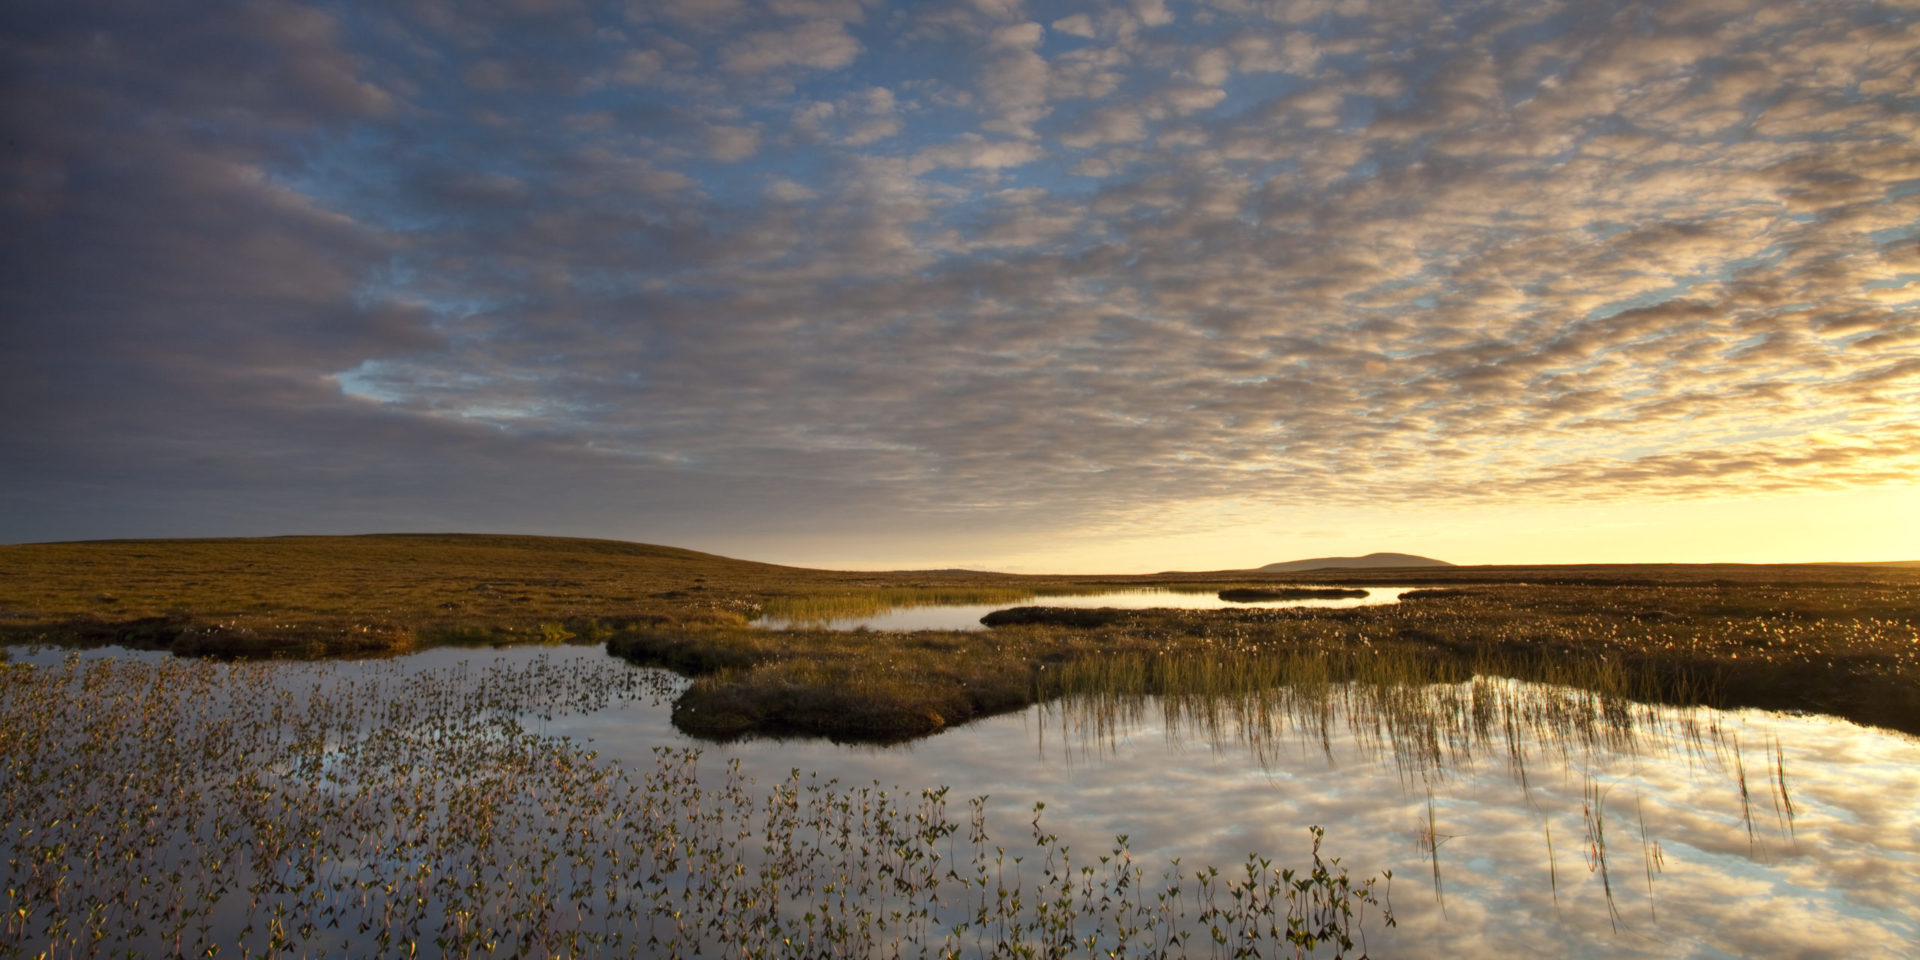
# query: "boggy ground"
[388,593]
[1841,640]
[1848,651]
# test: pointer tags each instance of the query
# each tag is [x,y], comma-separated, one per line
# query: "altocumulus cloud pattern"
[720,262]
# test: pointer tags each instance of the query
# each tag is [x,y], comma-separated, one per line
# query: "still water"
[1693,868]
[1517,819]
[966,616]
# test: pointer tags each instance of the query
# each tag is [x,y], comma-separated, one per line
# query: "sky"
[1107,287]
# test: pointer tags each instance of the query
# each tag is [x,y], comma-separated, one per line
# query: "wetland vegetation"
[180,804]
[1821,638]
[186,808]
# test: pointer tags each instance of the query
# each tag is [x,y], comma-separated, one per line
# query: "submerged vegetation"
[195,808]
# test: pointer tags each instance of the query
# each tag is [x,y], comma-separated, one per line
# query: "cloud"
[1190,99]
[856,120]
[1108,125]
[698,13]
[821,44]
[732,144]
[783,190]
[638,66]
[1153,13]
[1078,25]
[955,263]
[1013,78]
[1259,52]
[976,152]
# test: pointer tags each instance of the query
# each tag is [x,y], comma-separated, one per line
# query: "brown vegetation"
[1833,639]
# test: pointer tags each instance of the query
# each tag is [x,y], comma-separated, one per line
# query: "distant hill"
[1371,560]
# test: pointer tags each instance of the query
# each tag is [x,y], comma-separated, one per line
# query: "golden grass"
[331,595]
[1854,656]
[1838,640]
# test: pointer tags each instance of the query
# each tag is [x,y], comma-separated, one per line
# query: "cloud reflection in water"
[1840,876]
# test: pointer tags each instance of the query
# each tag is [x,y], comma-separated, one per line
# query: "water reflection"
[905,614]
[1555,822]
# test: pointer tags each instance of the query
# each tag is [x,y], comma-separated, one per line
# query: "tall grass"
[1429,715]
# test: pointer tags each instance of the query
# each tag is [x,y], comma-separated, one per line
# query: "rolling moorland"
[1829,638]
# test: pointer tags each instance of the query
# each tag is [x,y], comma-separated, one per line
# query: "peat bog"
[174,805]
[1817,637]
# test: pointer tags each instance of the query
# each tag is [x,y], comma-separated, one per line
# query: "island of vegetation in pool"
[1820,638]
[1437,656]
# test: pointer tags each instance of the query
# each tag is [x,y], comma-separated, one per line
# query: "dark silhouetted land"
[1396,561]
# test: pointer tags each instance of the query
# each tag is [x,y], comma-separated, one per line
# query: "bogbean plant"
[186,808]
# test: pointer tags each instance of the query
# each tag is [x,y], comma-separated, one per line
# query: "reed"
[1784,807]
[1652,859]
[1593,811]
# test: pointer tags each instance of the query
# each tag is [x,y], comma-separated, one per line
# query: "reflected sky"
[1830,869]
[966,616]
[1841,877]
[1841,880]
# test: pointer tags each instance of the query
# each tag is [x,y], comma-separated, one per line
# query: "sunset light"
[960,478]
[833,281]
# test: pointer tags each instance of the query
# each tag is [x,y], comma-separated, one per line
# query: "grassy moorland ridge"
[324,596]
[1829,638]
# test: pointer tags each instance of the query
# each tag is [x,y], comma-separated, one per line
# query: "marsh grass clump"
[874,687]
[198,808]
[1846,656]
